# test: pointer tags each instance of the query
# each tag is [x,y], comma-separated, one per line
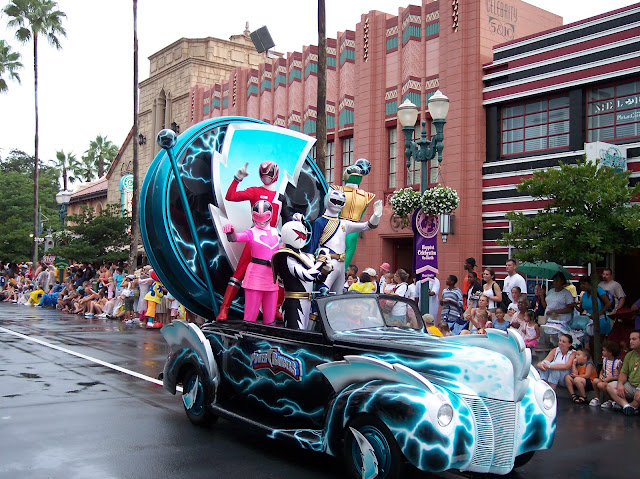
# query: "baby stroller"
[579,328]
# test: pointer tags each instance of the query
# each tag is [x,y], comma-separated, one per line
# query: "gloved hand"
[241,174]
[228,229]
[377,214]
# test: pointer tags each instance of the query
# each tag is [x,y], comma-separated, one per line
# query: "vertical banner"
[425,245]
[126,193]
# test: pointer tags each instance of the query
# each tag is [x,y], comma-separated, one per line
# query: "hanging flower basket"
[435,201]
[439,200]
[403,203]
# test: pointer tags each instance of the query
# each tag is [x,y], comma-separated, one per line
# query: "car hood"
[495,365]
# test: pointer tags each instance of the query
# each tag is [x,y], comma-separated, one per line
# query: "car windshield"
[361,311]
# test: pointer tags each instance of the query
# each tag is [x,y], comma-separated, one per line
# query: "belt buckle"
[342,257]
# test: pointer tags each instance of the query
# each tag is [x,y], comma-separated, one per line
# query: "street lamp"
[62,198]
[424,150]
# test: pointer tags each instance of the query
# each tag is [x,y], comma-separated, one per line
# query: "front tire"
[196,399]
[522,459]
[389,457]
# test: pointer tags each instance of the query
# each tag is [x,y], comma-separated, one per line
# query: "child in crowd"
[530,329]
[500,323]
[482,322]
[610,370]
[444,328]
[582,374]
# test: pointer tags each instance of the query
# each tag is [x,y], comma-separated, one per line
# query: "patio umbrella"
[543,269]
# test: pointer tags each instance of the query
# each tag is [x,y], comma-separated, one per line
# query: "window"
[413,173]
[347,152]
[535,126]
[613,112]
[393,141]
[330,162]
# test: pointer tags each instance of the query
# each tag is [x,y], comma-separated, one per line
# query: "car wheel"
[388,455]
[522,459]
[196,400]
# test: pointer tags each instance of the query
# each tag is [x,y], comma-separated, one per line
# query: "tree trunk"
[101,166]
[597,344]
[64,178]
[35,161]
[321,120]
[135,228]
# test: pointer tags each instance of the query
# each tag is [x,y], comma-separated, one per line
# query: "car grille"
[496,423]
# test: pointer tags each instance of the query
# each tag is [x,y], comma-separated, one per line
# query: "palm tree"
[135,227]
[102,151]
[8,63]
[33,18]
[66,165]
[86,168]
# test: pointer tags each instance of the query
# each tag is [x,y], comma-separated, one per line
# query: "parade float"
[345,377]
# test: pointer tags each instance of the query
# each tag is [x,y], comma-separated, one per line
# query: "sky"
[85,89]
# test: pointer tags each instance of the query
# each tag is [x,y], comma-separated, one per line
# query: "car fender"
[407,403]
[188,346]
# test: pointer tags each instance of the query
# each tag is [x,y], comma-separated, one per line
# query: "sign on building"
[126,193]
[610,156]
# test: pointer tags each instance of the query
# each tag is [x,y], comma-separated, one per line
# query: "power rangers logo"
[277,362]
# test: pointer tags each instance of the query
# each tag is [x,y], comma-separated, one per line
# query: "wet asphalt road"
[63,416]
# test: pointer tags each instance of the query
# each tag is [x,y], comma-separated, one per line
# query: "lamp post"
[62,198]
[424,150]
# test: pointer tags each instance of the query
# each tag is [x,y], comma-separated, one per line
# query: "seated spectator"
[444,328]
[627,387]
[50,299]
[429,323]
[582,374]
[530,329]
[610,371]
[500,323]
[479,323]
[471,314]
[558,362]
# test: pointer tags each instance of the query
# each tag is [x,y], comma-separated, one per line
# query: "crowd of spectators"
[107,291]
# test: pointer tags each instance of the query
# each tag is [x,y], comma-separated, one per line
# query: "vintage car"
[378,390]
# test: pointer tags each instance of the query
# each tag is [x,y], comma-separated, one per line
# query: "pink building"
[373,68]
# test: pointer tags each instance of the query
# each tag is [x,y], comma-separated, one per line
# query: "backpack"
[506,301]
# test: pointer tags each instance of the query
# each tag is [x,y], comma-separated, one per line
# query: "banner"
[425,245]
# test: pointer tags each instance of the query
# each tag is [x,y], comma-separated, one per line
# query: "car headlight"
[445,415]
[548,399]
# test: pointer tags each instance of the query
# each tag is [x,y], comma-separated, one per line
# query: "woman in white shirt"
[491,289]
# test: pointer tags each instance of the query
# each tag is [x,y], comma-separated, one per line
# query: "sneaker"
[149,325]
[128,321]
[607,404]
[594,402]
[88,315]
[157,325]
[616,407]
[101,316]
[629,410]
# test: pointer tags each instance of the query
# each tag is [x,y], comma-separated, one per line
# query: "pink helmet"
[261,214]
[269,172]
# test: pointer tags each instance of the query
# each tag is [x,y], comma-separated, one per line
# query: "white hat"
[370,271]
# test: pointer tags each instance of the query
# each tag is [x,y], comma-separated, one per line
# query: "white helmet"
[294,234]
[335,201]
